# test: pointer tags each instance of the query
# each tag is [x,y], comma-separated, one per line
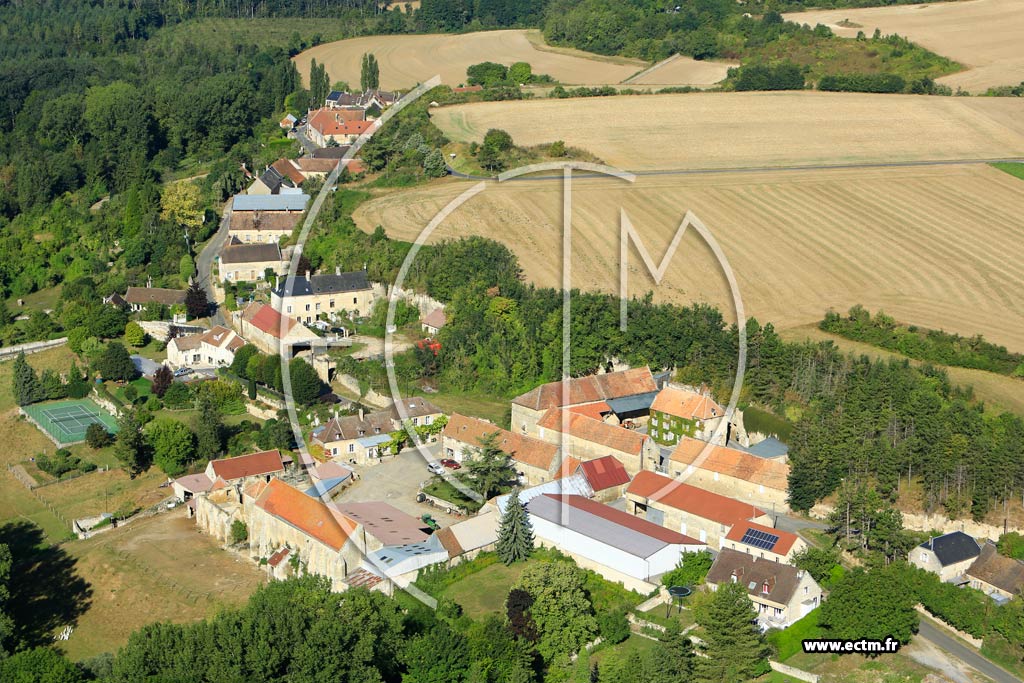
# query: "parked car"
[435,468]
[181,372]
[451,464]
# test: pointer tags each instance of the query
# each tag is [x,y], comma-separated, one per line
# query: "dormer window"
[765,588]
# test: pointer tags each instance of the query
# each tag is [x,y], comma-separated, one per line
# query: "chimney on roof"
[360,413]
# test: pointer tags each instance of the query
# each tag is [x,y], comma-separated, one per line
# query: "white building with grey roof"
[305,298]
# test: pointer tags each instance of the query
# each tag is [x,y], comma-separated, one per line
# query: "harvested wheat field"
[408,60]
[681,70]
[985,35]
[941,247]
[752,130]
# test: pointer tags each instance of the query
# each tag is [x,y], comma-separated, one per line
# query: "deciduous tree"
[561,609]
[172,444]
[196,303]
[162,379]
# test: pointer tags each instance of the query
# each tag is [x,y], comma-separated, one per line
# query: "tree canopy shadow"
[46,592]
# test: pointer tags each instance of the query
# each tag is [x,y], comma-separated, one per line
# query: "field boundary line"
[652,67]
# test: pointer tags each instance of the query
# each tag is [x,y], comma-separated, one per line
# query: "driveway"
[396,481]
[204,266]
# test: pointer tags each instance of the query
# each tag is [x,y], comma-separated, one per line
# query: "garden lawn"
[484,592]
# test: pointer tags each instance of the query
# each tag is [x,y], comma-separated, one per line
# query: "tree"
[196,303]
[434,165]
[691,569]
[162,380]
[97,436]
[178,396]
[24,382]
[208,428]
[134,335]
[1011,544]
[172,444]
[182,204]
[239,532]
[369,74]
[306,384]
[78,386]
[561,610]
[515,534]
[871,604]
[557,149]
[673,661]
[498,139]
[613,626]
[490,467]
[186,268]
[39,665]
[115,363]
[437,656]
[517,610]
[108,322]
[820,563]
[275,434]
[130,447]
[487,74]
[241,360]
[734,644]
[520,73]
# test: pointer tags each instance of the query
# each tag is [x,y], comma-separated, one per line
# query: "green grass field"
[1014,169]
[484,592]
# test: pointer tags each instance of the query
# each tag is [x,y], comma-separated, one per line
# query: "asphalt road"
[938,637]
[204,266]
[307,145]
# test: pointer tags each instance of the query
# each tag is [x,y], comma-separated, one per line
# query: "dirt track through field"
[407,60]
[744,130]
[941,247]
[985,35]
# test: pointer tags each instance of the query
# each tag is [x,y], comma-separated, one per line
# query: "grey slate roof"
[273,180]
[769,448]
[236,252]
[636,403]
[953,547]
[270,202]
[323,284]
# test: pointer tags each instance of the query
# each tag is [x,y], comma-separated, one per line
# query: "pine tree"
[515,534]
[735,646]
[131,447]
[196,303]
[25,383]
[209,429]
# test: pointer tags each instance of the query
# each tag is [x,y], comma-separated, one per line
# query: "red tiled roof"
[596,411]
[288,170]
[688,405]
[268,320]
[568,468]
[734,463]
[786,539]
[605,473]
[307,514]
[595,431]
[361,578]
[355,166]
[523,449]
[310,165]
[624,519]
[250,465]
[279,557]
[691,499]
[589,389]
[332,122]
[436,318]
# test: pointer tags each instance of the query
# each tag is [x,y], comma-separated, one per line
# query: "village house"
[678,412]
[239,262]
[418,411]
[948,555]
[468,538]
[998,576]
[781,593]
[341,126]
[271,181]
[432,322]
[732,472]
[530,407]
[214,348]
[306,298]
[359,439]
[535,461]
[258,227]
[269,331]
[136,298]
[615,544]
[374,99]
[607,476]
[288,122]
[226,473]
[270,203]
[586,438]
[328,479]
[764,542]
[692,511]
[313,167]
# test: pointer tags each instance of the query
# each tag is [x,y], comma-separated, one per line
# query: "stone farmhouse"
[268,330]
[764,542]
[586,438]
[998,576]
[361,438]
[241,262]
[678,412]
[305,298]
[211,349]
[732,472]
[270,203]
[336,125]
[259,227]
[529,408]
[781,593]
[228,473]
[948,555]
[688,509]
[535,460]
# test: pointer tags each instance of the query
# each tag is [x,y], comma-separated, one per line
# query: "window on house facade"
[318,306]
[351,448]
[332,303]
[355,300]
[307,307]
[334,451]
[289,309]
[429,419]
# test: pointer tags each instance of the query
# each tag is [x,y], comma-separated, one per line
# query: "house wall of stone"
[764,497]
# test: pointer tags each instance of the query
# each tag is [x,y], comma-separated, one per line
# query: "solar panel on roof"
[760,539]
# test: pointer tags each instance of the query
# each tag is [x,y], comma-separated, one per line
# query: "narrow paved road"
[306,143]
[938,637]
[204,266]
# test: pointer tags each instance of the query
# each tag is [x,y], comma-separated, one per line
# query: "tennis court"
[66,421]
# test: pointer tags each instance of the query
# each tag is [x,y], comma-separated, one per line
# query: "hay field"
[940,247]
[408,60]
[681,70]
[986,35]
[751,130]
